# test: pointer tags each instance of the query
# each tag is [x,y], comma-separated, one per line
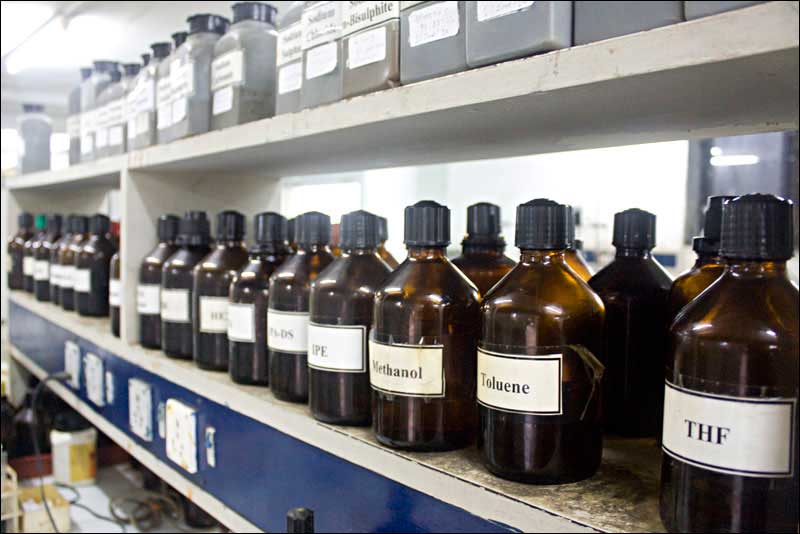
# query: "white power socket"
[182,435]
[140,408]
[95,383]
[72,363]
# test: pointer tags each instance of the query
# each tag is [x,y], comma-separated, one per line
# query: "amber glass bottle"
[730,410]
[27,258]
[55,265]
[290,224]
[383,236]
[66,257]
[336,240]
[635,290]
[482,258]
[249,293]
[341,314]
[114,293]
[422,347]
[148,292]
[538,377]
[92,269]
[708,267]
[177,281]
[287,315]
[212,283]
[41,257]
[574,255]
[16,251]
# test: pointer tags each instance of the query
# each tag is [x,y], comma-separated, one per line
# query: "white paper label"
[114,293]
[131,128]
[242,322]
[357,16]
[287,331]
[142,123]
[227,70]
[101,138]
[322,23]
[337,348]
[179,110]
[83,280]
[410,370]
[41,270]
[737,435]
[290,78]
[520,383]
[321,60]
[164,103]
[87,144]
[181,79]
[432,23]
[115,136]
[115,112]
[214,315]
[67,277]
[55,275]
[223,101]
[290,44]
[74,126]
[492,10]
[365,48]
[148,299]
[27,266]
[175,305]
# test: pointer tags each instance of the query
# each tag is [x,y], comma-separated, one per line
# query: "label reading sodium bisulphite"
[408,370]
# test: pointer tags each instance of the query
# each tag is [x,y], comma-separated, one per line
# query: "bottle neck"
[360,251]
[229,243]
[757,269]
[708,259]
[426,253]
[313,249]
[640,253]
[483,249]
[267,249]
[543,257]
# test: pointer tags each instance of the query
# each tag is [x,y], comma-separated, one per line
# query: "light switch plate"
[72,363]
[182,435]
[140,408]
[95,388]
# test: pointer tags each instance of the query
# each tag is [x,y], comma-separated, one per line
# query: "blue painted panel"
[261,473]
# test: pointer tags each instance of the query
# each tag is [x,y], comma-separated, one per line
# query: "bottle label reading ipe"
[743,436]
[287,331]
[408,370]
[520,383]
[337,348]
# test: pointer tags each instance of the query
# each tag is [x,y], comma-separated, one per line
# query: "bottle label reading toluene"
[287,331]
[744,436]
[337,348]
[241,322]
[175,305]
[520,383]
[148,299]
[214,315]
[409,370]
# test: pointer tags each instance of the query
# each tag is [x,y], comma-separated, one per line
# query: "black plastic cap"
[634,228]
[483,224]
[132,69]
[161,50]
[115,75]
[757,227]
[712,224]
[704,246]
[80,224]
[312,228]
[145,59]
[359,230]
[69,222]
[179,37]
[427,224]
[99,224]
[383,229]
[32,108]
[54,223]
[25,220]
[270,228]
[542,224]
[104,65]
[231,226]
[578,244]
[207,22]
[86,73]
[194,229]
[300,521]
[291,236]
[257,11]
[168,228]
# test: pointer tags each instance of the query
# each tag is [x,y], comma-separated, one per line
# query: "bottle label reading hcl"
[744,436]
[287,331]
[214,315]
[409,370]
[337,348]
[520,383]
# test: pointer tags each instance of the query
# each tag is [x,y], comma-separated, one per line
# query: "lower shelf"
[271,456]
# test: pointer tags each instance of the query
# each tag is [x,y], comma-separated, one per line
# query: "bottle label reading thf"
[520,383]
[214,315]
[148,299]
[287,331]
[409,370]
[242,322]
[337,348]
[175,305]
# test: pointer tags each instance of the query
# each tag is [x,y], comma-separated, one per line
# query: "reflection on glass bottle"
[27,256]
[66,258]
[41,257]
[383,237]
[16,251]
[574,253]
[148,292]
[92,269]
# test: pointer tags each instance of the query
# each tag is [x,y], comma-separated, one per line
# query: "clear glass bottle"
[341,308]
[288,310]
[289,60]
[106,113]
[635,291]
[322,54]
[28,248]
[383,237]
[538,377]
[16,251]
[422,347]
[482,258]
[142,132]
[730,461]
[116,111]
[148,292]
[66,258]
[41,257]
[92,269]
[249,294]
[55,264]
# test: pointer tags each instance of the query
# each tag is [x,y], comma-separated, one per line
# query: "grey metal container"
[90,90]
[35,129]
[289,60]
[104,129]
[696,10]
[432,40]
[143,97]
[595,21]
[371,46]
[322,54]
[74,124]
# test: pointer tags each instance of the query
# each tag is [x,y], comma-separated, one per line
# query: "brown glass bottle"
[27,257]
[574,256]
[114,293]
[482,258]
[16,251]
[538,379]
[55,266]
[249,293]
[66,258]
[335,244]
[734,370]
[635,291]
[341,314]
[290,224]
[383,236]
[177,282]
[148,292]
[422,350]
[212,283]
[41,257]
[287,314]
[92,266]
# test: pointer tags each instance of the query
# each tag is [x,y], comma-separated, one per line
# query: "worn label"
[321,60]
[227,70]
[222,101]
[67,277]
[41,270]
[366,48]
[27,266]
[175,305]
[290,78]
[432,23]
[242,322]
[82,280]
[410,370]
[492,10]
[290,44]
[322,23]
[337,348]
[357,16]
[114,293]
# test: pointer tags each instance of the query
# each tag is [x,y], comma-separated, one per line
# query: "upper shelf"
[94,173]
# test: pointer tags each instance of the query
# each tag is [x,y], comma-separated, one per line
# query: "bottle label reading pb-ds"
[408,370]
[743,436]
[337,348]
[287,331]
[520,383]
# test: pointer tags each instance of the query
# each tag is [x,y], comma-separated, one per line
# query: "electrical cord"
[77,497]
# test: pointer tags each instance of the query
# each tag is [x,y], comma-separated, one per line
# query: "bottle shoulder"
[631,275]
[437,283]
[223,260]
[352,275]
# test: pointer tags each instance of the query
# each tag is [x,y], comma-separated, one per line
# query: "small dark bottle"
[56,271]
[482,258]
[730,410]
[16,251]
[538,379]
[27,257]
[66,258]
[383,237]
[41,257]
[287,314]
[92,266]
[247,310]
[422,349]
[708,267]
[114,293]
[148,292]
[177,281]
[574,255]
[635,291]
[341,307]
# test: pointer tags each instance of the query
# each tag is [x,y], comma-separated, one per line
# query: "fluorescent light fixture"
[18,20]
[734,159]
[716,151]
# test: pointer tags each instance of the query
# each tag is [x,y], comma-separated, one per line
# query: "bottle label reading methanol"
[322,23]
[27,266]
[175,305]
[83,280]
[366,48]
[744,436]
[114,293]
[321,60]
[41,270]
[287,331]
[357,16]
[242,322]
[148,299]
[520,383]
[67,277]
[432,23]
[337,348]
[492,10]
[409,370]
[214,315]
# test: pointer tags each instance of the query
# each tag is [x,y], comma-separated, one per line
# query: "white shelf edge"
[99,171]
